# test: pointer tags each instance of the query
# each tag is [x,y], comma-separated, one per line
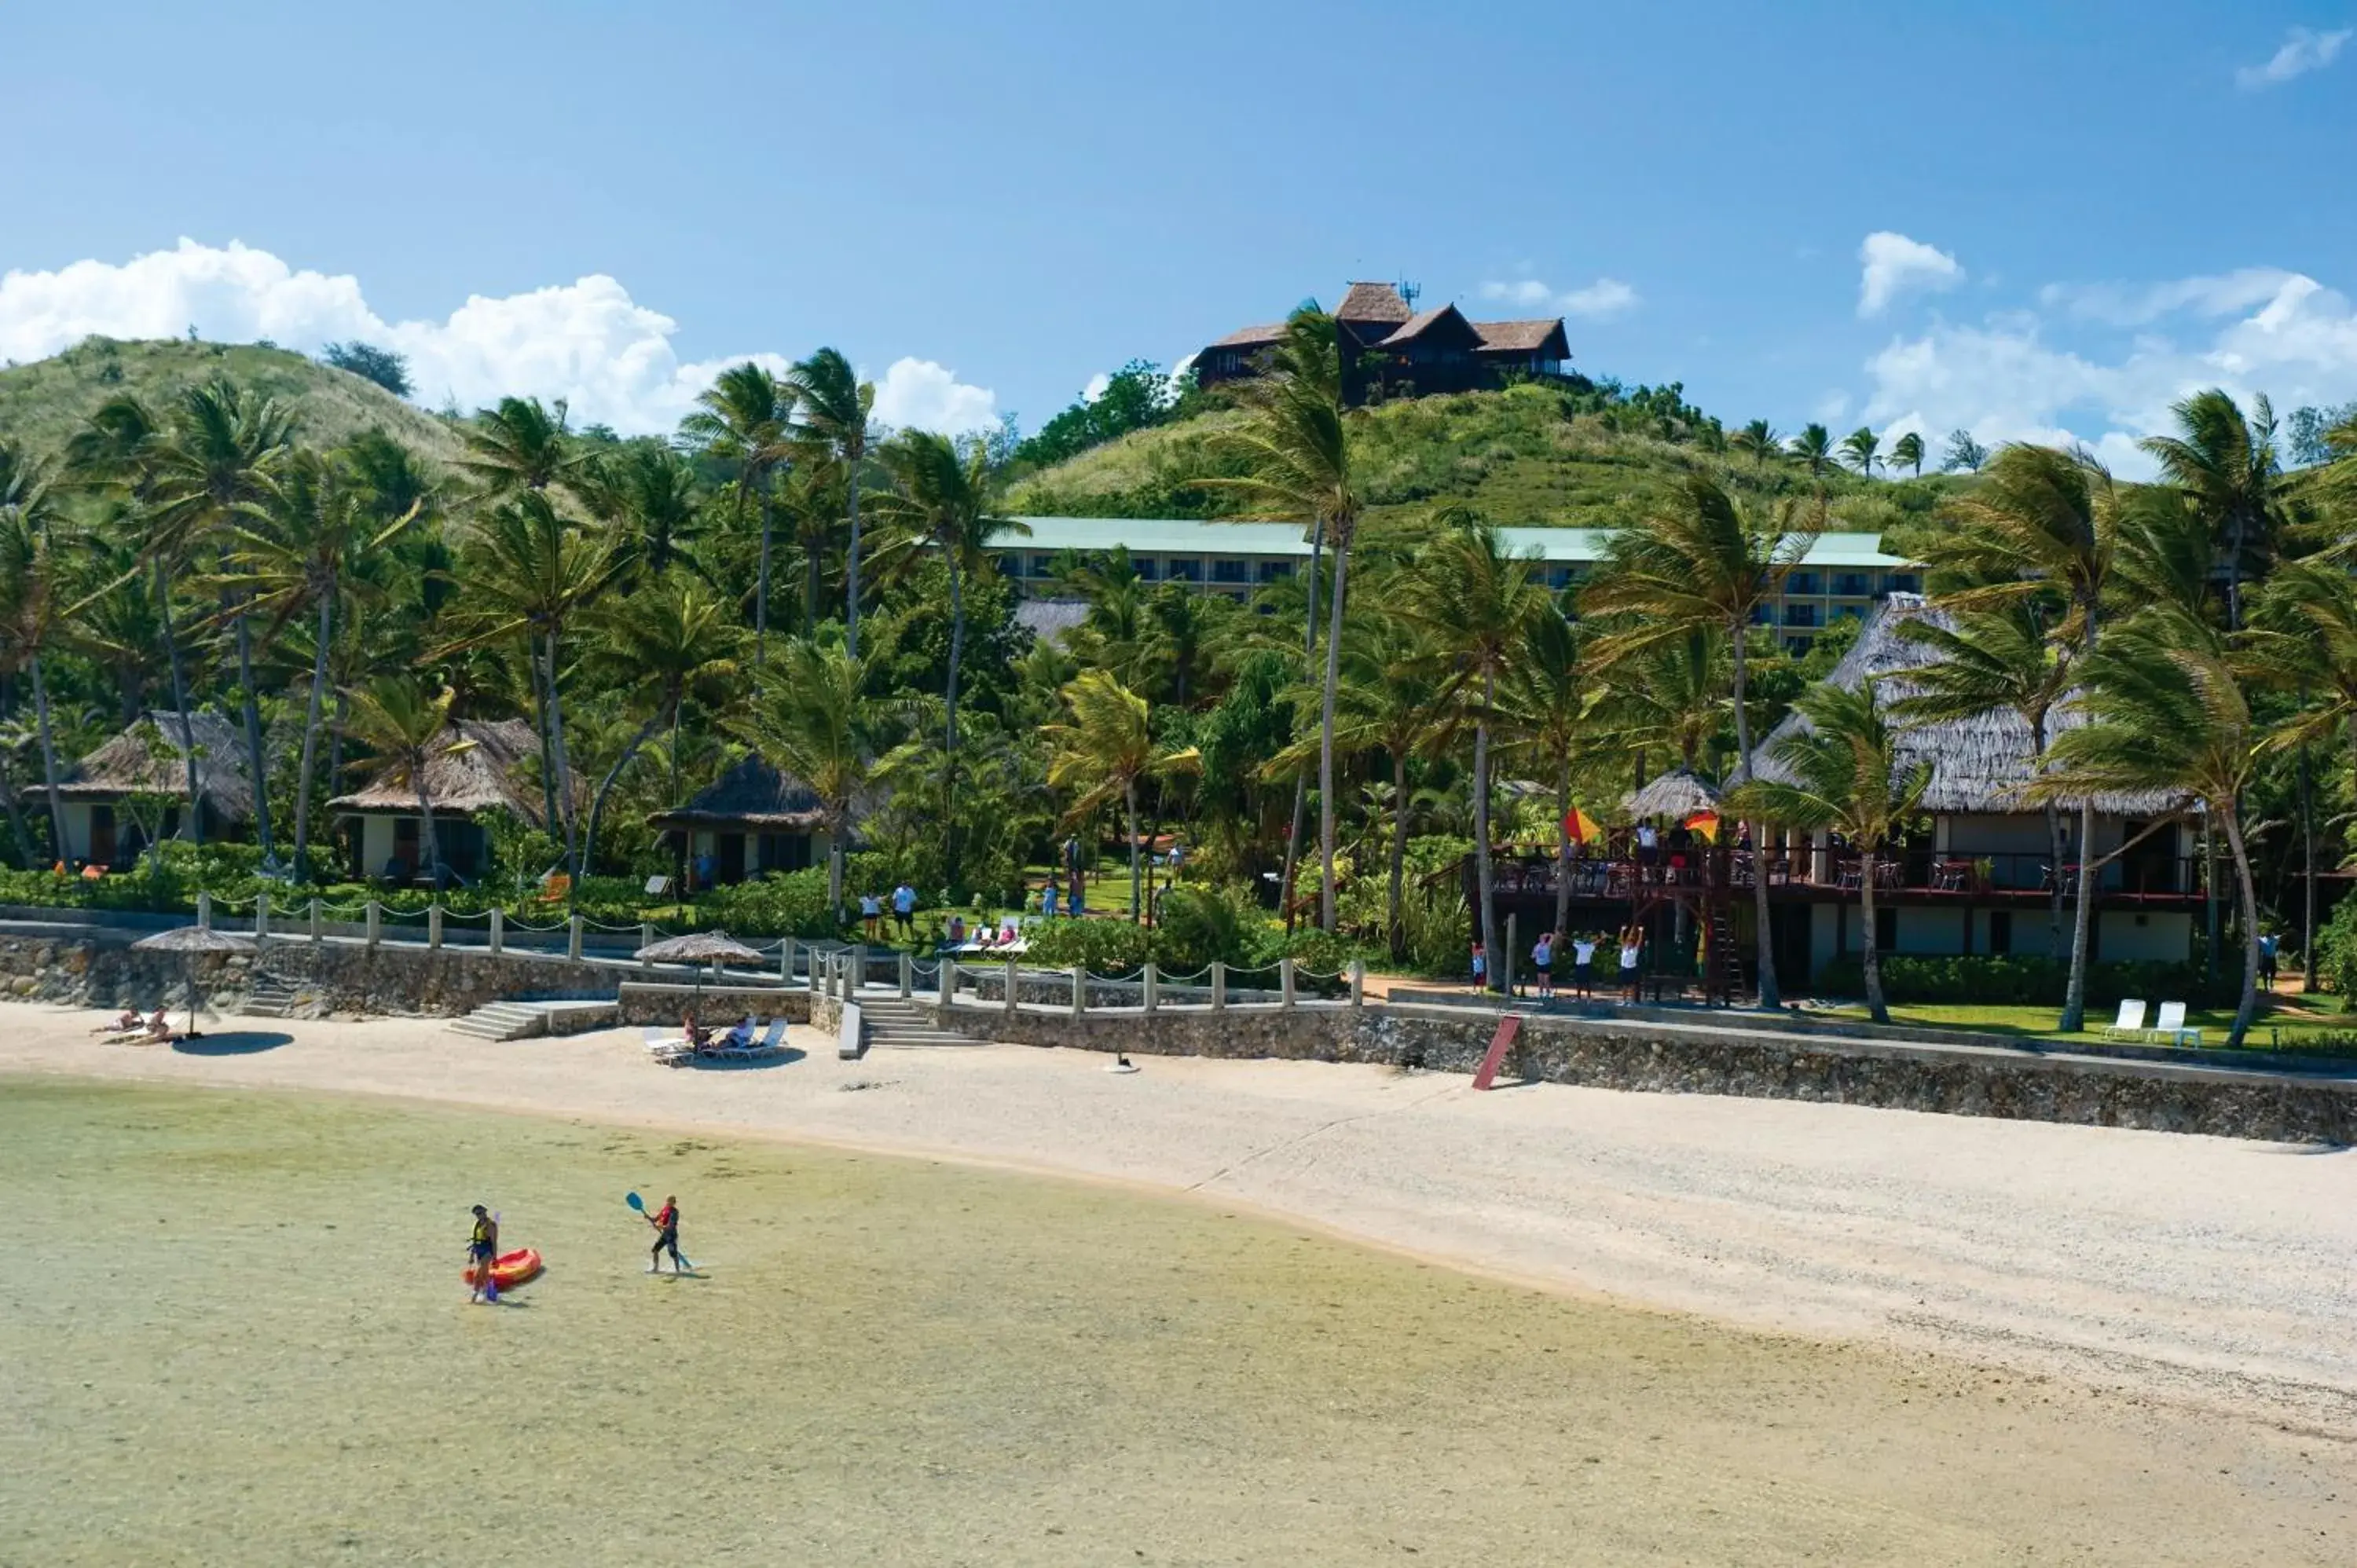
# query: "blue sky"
[2082,212]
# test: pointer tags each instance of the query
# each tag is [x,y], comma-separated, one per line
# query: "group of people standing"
[904,912]
[1583,946]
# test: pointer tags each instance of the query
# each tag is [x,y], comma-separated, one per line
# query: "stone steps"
[889,1020]
[502,1021]
[271,995]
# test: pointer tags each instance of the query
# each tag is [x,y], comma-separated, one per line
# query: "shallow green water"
[233,1333]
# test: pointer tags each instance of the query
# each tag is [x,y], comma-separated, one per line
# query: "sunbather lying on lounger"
[129,1021]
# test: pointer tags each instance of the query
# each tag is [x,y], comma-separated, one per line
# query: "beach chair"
[2170,1025]
[2129,1024]
[772,1038]
[665,1046]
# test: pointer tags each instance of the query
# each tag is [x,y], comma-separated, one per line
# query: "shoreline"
[2203,1285]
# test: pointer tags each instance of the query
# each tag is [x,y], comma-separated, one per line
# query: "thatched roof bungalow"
[753,818]
[493,773]
[101,798]
[1677,795]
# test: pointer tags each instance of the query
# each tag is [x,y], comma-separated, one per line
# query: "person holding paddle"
[666,1223]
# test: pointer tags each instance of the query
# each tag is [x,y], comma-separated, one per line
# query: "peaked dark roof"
[1441,322]
[1524,337]
[1372,302]
[1252,336]
[132,763]
[1978,765]
[752,794]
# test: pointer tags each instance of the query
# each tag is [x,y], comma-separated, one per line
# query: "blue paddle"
[638,1207]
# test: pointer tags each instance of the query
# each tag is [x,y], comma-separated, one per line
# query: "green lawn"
[2319,1025]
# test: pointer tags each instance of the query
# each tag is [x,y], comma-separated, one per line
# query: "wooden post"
[499,928]
[1219,987]
[573,939]
[1149,998]
[907,974]
[1285,978]
[1358,982]
[1014,999]
[434,926]
[375,923]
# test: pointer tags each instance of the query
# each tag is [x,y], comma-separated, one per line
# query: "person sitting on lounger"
[129,1021]
[742,1035]
[159,1029]
[690,1033]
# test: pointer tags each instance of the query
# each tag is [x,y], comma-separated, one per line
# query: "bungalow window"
[1228,571]
[1886,930]
[2000,933]
[1185,571]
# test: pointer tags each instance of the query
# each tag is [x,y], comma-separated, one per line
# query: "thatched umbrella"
[185,939]
[1678,794]
[715,948]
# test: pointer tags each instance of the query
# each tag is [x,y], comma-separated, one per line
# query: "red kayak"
[509,1270]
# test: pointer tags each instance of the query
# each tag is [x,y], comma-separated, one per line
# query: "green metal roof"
[1158,536]
[1191,536]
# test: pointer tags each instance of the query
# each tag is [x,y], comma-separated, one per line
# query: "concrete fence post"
[1079,990]
[318,935]
[907,974]
[260,915]
[434,926]
[785,956]
[1358,982]
[948,980]
[1013,996]
[499,928]
[858,970]
[646,940]
[204,910]
[1285,979]
[376,926]
[1219,987]
[1149,998]
[573,939]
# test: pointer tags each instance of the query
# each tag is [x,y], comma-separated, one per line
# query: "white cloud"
[2302,52]
[1096,387]
[2007,379]
[1893,264]
[2136,305]
[587,341]
[1604,297]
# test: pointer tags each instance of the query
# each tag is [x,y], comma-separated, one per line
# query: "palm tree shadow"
[784,1056]
[237,1043]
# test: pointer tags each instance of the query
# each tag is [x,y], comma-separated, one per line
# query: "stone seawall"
[1659,1059]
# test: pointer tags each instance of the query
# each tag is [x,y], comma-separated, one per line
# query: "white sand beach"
[2187,1269]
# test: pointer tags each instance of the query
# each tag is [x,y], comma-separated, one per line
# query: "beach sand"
[2143,1339]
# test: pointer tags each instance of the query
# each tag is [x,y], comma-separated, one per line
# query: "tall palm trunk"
[1129,807]
[48,761]
[563,772]
[605,788]
[252,705]
[2249,898]
[851,567]
[1485,873]
[540,727]
[1326,733]
[838,828]
[311,738]
[1398,892]
[950,734]
[762,592]
[336,755]
[2074,996]
[1871,949]
[1765,948]
[1563,845]
[810,589]
[192,826]
[1301,779]
[425,824]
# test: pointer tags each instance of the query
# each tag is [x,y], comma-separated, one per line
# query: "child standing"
[1543,965]
[1481,969]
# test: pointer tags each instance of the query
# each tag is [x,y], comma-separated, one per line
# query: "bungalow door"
[101,835]
[730,855]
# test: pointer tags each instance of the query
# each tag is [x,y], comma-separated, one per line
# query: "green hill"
[42,403]
[1528,456]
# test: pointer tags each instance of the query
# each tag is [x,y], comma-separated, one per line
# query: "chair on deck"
[2129,1024]
[2170,1025]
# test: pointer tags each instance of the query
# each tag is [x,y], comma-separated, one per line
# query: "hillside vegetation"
[42,403]
[1528,456]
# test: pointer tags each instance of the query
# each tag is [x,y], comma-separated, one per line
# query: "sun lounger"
[2129,1024]
[2170,1025]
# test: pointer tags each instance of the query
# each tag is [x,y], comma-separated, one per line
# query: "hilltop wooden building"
[462,786]
[752,819]
[149,760]
[1392,350]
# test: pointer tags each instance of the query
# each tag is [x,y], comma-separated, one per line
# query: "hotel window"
[1149,570]
[1043,565]
[1762,615]
[1275,571]
[1850,585]
[1185,571]
[1230,570]
[1903,582]
[1800,615]
[1802,582]
[1558,577]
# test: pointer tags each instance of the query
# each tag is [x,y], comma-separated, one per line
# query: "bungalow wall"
[104,832]
[387,846]
[2120,936]
[717,857]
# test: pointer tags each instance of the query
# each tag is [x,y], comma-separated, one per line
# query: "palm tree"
[1478,601]
[31,613]
[1814,447]
[530,571]
[746,420]
[1964,452]
[818,723]
[1670,697]
[647,494]
[1295,444]
[2228,465]
[2042,525]
[406,732]
[1706,563]
[1862,450]
[217,459]
[942,499]
[1546,704]
[1909,450]
[2304,638]
[836,407]
[2168,713]
[1761,439]
[1104,751]
[660,643]
[295,549]
[1842,769]
[1998,659]
[521,444]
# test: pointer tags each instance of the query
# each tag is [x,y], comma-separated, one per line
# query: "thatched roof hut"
[751,797]
[488,775]
[1679,793]
[150,758]
[1979,766]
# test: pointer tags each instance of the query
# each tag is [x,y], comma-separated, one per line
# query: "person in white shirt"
[1632,947]
[1583,965]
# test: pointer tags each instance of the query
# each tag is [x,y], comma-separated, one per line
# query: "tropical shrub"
[2012,982]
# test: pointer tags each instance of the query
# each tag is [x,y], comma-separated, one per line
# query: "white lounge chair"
[2129,1024]
[2170,1025]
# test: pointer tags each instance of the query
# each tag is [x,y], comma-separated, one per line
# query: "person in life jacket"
[666,1223]
[482,1247]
